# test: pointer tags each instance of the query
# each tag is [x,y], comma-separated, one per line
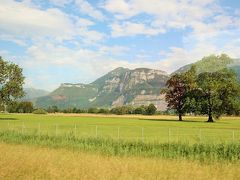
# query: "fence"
[129,133]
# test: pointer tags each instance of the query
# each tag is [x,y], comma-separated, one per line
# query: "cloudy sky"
[76,41]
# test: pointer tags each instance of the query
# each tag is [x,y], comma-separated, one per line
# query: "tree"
[122,110]
[93,110]
[20,107]
[25,107]
[218,93]
[11,82]
[151,109]
[179,90]
[139,110]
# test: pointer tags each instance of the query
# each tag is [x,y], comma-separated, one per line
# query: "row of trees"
[210,93]
[146,110]
[20,107]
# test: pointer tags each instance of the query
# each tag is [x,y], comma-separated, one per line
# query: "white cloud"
[172,8]
[60,3]
[113,50]
[20,21]
[164,15]
[24,21]
[131,29]
[86,8]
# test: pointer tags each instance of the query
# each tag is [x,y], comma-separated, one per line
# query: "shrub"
[151,109]
[121,110]
[103,111]
[39,111]
[20,107]
[140,110]
[93,110]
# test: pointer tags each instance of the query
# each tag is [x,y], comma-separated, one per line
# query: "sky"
[77,41]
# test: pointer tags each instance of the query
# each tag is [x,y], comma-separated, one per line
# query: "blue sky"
[77,41]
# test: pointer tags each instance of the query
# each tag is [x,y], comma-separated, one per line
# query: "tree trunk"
[210,118]
[180,116]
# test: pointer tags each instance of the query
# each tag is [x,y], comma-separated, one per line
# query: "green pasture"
[159,129]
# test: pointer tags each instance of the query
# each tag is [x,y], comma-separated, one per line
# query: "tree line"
[121,110]
[27,107]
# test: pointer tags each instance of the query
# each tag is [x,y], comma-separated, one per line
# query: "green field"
[60,146]
[159,129]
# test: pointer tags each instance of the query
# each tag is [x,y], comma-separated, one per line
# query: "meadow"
[161,129]
[30,162]
[87,146]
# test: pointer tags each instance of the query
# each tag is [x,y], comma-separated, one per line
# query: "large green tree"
[11,82]
[178,92]
[218,93]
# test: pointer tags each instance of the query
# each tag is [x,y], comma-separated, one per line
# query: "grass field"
[28,162]
[84,146]
[132,128]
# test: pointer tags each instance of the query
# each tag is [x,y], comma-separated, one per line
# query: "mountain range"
[32,93]
[123,86]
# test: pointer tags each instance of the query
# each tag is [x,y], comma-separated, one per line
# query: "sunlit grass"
[202,152]
[30,162]
[133,128]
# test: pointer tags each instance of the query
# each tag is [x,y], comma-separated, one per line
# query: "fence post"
[96,131]
[200,135]
[56,130]
[22,126]
[233,136]
[168,135]
[142,134]
[118,133]
[75,130]
[177,134]
[39,129]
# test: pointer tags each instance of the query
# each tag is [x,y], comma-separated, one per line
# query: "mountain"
[119,87]
[123,86]
[31,93]
[213,64]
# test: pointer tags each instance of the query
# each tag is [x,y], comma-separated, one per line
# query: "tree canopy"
[218,93]
[178,91]
[211,93]
[11,82]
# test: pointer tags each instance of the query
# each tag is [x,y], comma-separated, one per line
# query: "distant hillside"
[69,95]
[119,87]
[206,65]
[31,93]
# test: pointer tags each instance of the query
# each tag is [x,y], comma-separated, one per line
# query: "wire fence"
[128,133]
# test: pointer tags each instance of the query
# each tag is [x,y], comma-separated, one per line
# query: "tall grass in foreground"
[202,152]
[30,162]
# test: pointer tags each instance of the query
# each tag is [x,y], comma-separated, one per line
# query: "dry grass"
[113,115]
[139,116]
[28,162]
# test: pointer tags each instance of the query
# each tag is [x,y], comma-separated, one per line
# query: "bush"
[151,109]
[103,111]
[93,110]
[121,110]
[39,111]
[140,110]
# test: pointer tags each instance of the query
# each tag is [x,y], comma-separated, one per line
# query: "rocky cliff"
[119,87]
